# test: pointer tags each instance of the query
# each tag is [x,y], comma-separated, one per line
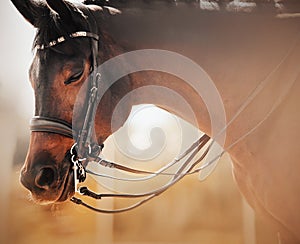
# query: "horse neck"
[237,52]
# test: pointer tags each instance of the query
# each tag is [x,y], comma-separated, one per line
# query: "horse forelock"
[51,26]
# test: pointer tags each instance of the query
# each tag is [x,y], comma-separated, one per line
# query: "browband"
[63,39]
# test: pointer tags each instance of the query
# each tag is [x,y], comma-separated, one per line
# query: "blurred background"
[192,211]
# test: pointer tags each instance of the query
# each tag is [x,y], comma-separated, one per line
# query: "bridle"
[83,138]
[85,150]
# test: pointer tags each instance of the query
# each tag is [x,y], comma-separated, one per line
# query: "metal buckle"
[78,169]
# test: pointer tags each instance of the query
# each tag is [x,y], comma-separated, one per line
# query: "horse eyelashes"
[74,78]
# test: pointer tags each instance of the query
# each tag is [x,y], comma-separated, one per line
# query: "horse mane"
[276,6]
[50,27]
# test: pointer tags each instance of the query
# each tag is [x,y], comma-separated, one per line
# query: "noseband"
[51,125]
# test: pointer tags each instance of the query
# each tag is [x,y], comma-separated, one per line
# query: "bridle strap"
[85,137]
[54,125]
[62,39]
[51,125]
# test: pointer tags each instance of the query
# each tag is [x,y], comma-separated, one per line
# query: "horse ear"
[62,9]
[30,10]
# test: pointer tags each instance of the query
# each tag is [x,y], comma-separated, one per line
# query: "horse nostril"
[45,178]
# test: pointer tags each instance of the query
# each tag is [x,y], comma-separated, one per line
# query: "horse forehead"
[45,67]
[41,63]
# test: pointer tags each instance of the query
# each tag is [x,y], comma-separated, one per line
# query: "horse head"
[57,74]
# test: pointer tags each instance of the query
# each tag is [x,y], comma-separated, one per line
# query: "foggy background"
[191,212]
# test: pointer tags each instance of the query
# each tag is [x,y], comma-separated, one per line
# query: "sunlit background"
[212,211]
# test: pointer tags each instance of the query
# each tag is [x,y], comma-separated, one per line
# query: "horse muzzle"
[49,178]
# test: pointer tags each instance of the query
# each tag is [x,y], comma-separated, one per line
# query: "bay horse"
[249,49]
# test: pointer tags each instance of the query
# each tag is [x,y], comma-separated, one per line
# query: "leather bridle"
[85,150]
[83,138]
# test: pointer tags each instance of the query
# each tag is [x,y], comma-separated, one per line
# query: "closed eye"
[75,77]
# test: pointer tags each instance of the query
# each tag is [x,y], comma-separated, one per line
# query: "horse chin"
[67,188]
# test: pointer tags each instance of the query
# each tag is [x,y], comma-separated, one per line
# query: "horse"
[249,49]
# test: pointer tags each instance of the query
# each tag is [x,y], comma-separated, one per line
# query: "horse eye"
[74,77]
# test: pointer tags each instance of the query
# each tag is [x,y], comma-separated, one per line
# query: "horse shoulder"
[266,165]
